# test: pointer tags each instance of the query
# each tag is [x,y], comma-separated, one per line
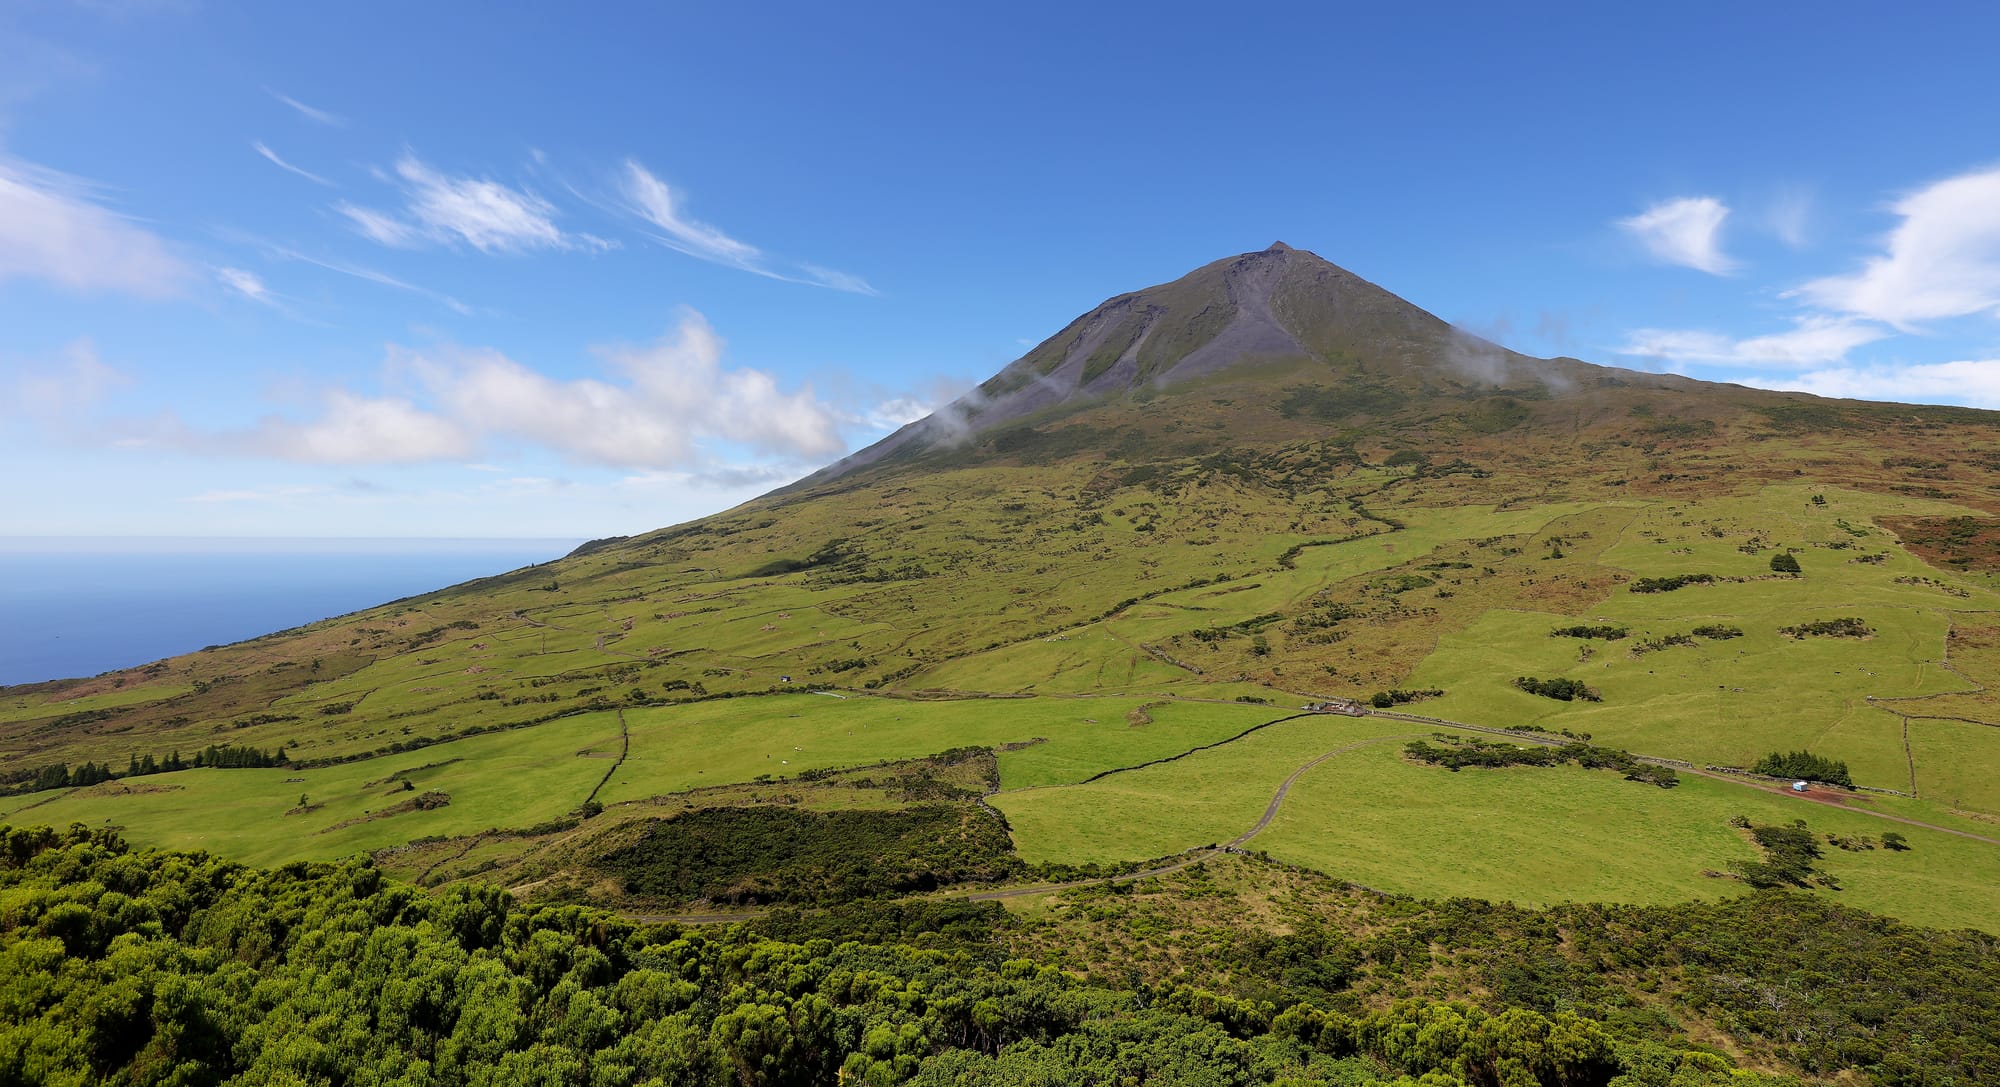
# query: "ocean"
[78,607]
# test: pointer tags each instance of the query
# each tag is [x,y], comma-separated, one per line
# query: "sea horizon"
[79,606]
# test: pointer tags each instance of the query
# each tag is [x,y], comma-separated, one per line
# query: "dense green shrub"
[1560,689]
[1805,765]
[1850,627]
[1606,632]
[1456,754]
[1670,583]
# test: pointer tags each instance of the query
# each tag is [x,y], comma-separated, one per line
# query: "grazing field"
[1562,834]
[529,776]
[1524,834]
[717,743]
[510,779]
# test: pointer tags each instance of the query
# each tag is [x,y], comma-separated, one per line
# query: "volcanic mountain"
[1283,315]
[1268,481]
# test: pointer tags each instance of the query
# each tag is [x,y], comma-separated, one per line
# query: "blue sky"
[443,270]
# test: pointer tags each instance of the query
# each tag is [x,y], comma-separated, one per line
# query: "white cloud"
[380,228]
[664,401]
[899,412]
[1788,214]
[1943,260]
[1685,231]
[1816,340]
[1974,383]
[272,157]
[244,283]
[309,113]
[485,214]
[361,430]
[654,201]
[76,380]
[51,229]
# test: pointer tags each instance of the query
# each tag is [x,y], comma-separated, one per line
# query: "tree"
[1784,562]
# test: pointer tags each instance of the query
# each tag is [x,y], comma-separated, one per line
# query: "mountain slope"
[1264,482]
[1280,311]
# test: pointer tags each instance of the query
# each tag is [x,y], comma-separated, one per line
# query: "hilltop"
[1114,571]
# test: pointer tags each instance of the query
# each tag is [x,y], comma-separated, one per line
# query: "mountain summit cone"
[1280,317]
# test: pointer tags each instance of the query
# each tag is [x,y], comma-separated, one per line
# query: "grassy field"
[528,776]
[512,779]
[1529,835]
[716,743]
[1538,836]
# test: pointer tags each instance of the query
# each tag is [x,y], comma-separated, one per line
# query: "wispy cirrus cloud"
[248,284]
[53,228]
[1686,231]
[318,116]
[1942,260]
[273,158]
[655,201]
[277,252]
[442,209]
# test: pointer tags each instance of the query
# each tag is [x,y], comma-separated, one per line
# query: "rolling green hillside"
[1190,512]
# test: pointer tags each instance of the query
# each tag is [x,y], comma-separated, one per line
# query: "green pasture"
[1531,835]
[510,779]
[24,707]
[1717,701]
[730,740]
[1542,835]
[1108,655]
[1207,798]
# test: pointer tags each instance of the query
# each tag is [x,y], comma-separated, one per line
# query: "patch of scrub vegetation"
[1790,856]
[1560,689]
[1396,696]
[1456,753]
[1604,631]
[1846,627]
[1670,583]
[767,854]
[1259,931]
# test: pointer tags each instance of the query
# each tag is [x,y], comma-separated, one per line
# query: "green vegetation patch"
[1804,765]
[1560,689]
[1604,631]
[1846,627]
[1671,583]
[1456,753]
[761,855]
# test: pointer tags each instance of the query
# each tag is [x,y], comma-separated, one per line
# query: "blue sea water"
[80,607]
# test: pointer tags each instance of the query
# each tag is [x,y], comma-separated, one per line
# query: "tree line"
[62,776]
